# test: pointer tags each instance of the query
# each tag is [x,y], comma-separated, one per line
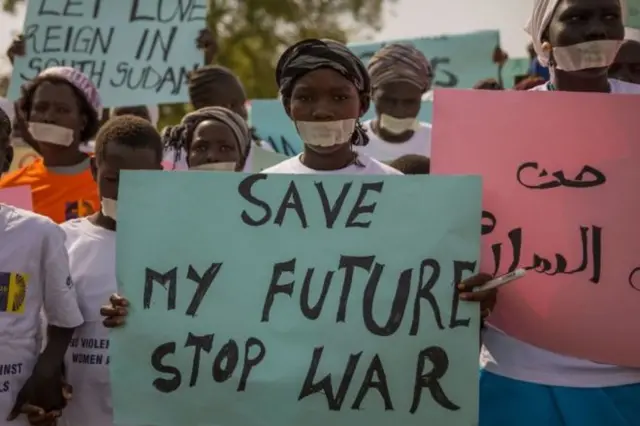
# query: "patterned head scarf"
[80,81]
[179,137]
[312,54]
[541,16]
[400,63]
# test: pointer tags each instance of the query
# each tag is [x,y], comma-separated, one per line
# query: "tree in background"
[252,33]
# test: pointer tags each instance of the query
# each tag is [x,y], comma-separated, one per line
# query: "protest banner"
[18,196]
[324,298]
[137,53]
[274,126]
[560,198]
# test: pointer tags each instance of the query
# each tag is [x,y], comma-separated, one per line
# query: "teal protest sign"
[634,13]
[262,159]
[139,52]
[458,60]
[275,127]
[515,68]
[327,300]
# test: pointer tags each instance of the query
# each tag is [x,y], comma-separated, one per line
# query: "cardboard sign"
[330,298]
[137,53]
[560,180]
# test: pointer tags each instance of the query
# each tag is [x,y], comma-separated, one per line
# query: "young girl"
[34,277]
[400,76]
[123,143]
[212,138]
[522,384]
[325,90]
[217,86]
[58,113]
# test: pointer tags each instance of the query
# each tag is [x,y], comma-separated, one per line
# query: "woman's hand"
[487,298]
[35,393]
[17,48]
[499,56]
[207,43]
[116,312]
[36,415]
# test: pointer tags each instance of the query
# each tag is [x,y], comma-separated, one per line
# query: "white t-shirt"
[420,144]
[34,276]
[92,262]
[504,355]
[368,166]
[169,156]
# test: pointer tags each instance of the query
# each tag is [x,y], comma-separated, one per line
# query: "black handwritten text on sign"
[351,206]
[139,52]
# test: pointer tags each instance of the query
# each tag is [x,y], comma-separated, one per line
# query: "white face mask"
[398,126]
[326,133]
[50,133]
[109,207]
[220,167]
[582,56]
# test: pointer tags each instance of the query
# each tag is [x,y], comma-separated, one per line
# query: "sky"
[406,18]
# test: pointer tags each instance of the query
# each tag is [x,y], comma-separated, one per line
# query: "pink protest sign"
[561,196]
[19,196]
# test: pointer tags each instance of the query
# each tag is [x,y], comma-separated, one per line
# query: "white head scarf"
[540,19]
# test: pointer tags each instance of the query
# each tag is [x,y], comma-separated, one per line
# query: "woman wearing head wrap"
[212,138]
[215,85]
[400,76]
[522,384]
[58,113]
[325,89]
[578,40]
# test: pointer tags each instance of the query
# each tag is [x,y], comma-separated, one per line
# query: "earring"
[548,50]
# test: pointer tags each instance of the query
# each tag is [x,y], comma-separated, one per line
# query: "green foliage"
[252,33]
[10,5]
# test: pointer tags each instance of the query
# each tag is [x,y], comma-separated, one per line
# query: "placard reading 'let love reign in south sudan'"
[282,300]
[136,52]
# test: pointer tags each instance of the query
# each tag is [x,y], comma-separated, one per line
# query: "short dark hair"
[412,164]
[93,121]
[130,131]
[488,84]
[137,110]
[202,78]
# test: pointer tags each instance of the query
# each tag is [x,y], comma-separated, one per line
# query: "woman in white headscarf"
[521,384]
[578,40]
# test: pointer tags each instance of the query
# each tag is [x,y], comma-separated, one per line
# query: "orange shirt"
[58,196]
